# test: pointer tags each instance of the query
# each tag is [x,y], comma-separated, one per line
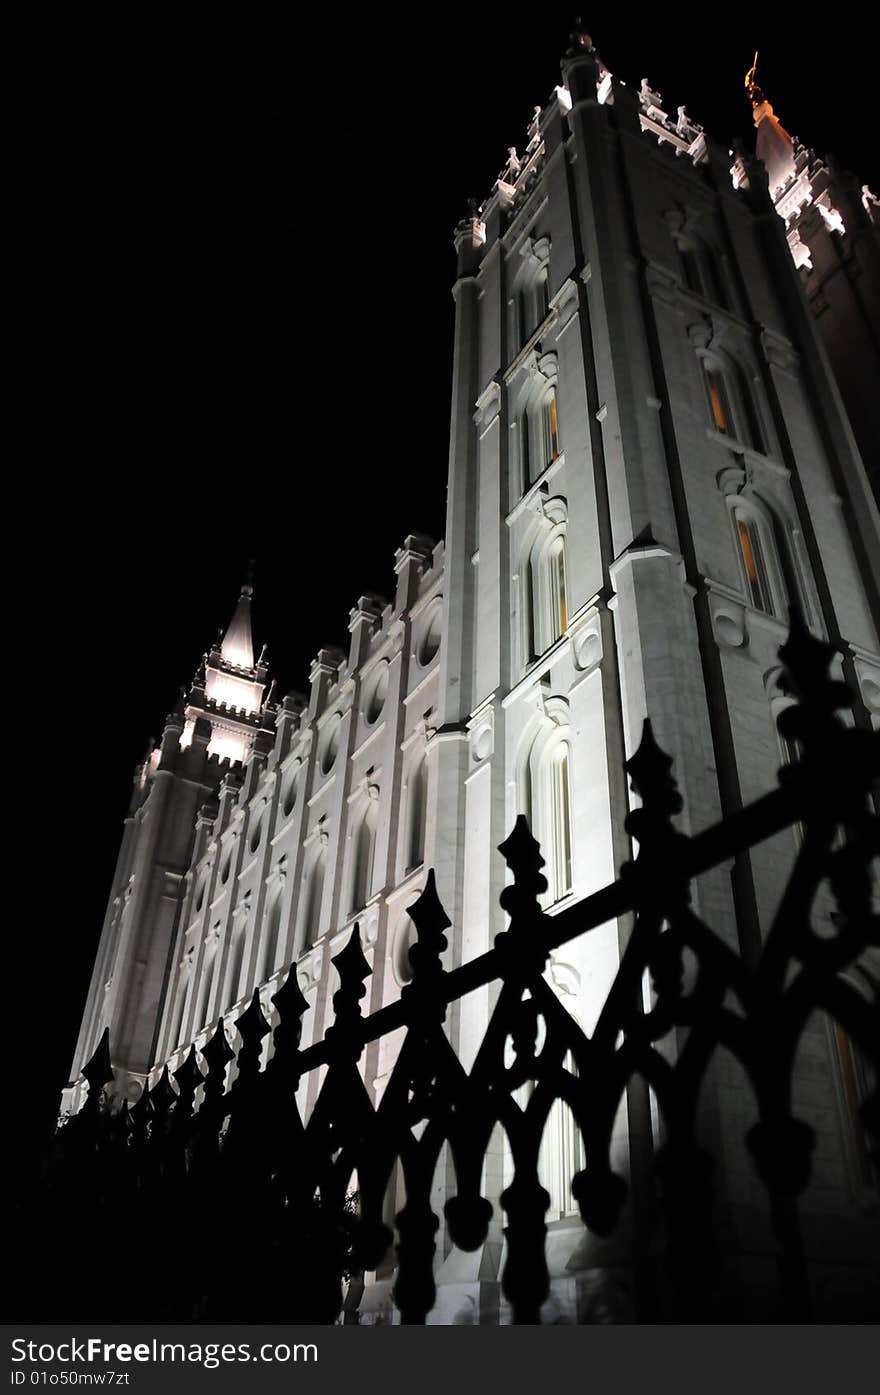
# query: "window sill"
[754,457]
[537,487]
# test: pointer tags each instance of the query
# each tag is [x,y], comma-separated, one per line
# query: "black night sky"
[237,343]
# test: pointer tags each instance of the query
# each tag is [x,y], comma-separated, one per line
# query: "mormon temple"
[664,432]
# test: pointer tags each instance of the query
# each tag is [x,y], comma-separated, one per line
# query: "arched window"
[556,569]
[719,402]
[545,795]
[550,423]
[562,1154]
[206,981]
[175,1026]
[530,288]
[559,820]
[732,409]
[760,565]
[542,293]
[690,267]
[314,896]
[547,587]
[271,929]
[364,856]
[539,435]
[701,269]
[236,962]
[417,810]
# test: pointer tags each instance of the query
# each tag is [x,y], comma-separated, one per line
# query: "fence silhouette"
[206,1203]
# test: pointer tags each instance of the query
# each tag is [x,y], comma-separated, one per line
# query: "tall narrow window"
[556,564]
[856,1087]
[718,400]
[545,798]
[524,315]
[542,287]
[207,979]
[364,853]
[271,929]
[559,821]
[749,429]
[527,454]
[562,1154]
[710,274]
[551,427]
[176,1024]
[547,585]
[314,897]
[417,815]
[754,564]
[690,267]
[701,269]
[236,960]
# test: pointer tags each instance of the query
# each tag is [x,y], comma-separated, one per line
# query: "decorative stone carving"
[487,408]
[699,332]
[728,623]
[482,740]
[779,352]
[586,645]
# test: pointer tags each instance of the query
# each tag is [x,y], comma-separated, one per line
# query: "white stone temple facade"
[650,460]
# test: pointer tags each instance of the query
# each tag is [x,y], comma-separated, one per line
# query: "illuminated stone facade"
[649,461]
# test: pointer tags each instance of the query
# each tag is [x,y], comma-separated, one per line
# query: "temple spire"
[774,147]
[237,646]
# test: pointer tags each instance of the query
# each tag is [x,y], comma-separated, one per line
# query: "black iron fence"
[202,1202]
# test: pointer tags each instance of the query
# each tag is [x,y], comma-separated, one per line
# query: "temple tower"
[833,230]
[650,467]
[205,739]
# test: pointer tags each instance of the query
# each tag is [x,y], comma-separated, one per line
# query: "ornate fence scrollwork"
[252,1201]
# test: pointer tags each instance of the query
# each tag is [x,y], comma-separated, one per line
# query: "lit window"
[732,407]
[546,797]
[558,855]
[754,564]
[549,603]
[552,427]
[539,437]
[718,400]
[562,1154]
[557,587]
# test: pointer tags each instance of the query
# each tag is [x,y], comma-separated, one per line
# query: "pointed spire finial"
[773,145]
[580,41]
[237,645]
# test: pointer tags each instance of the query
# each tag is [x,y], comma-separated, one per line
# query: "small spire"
[237,645]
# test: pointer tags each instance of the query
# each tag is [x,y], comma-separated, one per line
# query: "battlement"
[518,176]
[229,709]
